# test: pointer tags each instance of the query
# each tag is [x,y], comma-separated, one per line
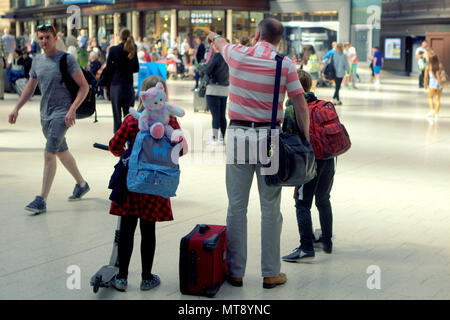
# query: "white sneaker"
[212,142]
[430,113]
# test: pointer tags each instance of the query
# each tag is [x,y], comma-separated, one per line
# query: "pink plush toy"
[156,114]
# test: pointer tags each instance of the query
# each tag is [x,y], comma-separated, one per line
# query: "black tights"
[148,241]
[338,82]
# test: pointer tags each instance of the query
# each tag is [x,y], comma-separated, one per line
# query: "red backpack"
[329,138]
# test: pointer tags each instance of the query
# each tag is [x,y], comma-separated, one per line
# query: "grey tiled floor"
[390,204]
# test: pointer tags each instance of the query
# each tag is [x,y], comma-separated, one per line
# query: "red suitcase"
[203,265]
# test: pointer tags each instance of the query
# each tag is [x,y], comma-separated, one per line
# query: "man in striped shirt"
[252,80]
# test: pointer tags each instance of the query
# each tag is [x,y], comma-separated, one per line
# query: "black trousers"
[421,78]
[217,105]
[338,82]
[122,98]
[125,249]
[319,189]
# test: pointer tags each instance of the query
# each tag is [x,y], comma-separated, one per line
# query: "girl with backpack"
[433,71]
[148,209]
[320,187]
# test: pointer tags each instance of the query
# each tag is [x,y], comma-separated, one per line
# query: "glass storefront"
[193,23]
[163,26]
[240,25]
[318,29]
[105,27]
[149,26]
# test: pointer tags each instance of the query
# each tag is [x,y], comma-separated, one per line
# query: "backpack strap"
[66,78]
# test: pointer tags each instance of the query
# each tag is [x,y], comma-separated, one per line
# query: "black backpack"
[330,72]
[87,107]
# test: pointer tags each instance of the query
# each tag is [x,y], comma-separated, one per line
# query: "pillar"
[173,26]
[230,25]
[116,28]
[18,31]
[91,32]
[32,28]
[135,25]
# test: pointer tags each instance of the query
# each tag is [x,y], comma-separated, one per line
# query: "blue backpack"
[153,166]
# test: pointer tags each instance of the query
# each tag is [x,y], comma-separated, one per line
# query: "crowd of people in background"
[183,59]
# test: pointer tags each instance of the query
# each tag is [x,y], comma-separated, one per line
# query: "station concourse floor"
[390,202]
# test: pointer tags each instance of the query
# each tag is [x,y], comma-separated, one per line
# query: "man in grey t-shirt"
[58,113]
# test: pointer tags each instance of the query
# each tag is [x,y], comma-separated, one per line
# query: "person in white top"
[185,46]
[352,60]
[421,61]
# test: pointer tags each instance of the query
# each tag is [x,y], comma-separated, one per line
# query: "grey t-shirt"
[55,97]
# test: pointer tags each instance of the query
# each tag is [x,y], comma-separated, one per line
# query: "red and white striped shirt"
[252,81]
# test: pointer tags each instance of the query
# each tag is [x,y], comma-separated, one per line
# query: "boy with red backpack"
[328,139]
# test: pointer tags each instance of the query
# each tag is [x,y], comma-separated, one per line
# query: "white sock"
[83,184]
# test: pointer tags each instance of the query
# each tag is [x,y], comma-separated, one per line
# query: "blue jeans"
[319,188]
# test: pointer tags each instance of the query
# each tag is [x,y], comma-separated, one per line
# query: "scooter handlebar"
[101,146]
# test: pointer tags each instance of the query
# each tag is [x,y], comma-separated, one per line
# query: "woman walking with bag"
[341,66]
[432,71]
[216,93]
[122,62]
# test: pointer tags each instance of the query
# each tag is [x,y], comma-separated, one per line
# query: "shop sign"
[201,18]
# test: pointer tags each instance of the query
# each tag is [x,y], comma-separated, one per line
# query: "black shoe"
[327,246]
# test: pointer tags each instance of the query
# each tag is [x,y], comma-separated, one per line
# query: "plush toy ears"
[160,86]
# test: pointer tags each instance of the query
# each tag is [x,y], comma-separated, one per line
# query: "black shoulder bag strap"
[276,94]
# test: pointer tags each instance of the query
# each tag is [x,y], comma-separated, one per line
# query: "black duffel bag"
[295,156]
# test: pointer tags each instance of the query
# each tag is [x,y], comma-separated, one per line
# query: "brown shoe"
[272,282]
[235,282]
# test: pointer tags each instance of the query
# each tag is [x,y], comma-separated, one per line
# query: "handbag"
[330,72]
[203,85]
[295,156]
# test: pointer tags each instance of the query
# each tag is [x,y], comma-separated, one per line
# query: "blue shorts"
[376,69]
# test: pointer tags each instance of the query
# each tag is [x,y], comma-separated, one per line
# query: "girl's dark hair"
[125,36]
[311,49]
[305,79]
[435,65]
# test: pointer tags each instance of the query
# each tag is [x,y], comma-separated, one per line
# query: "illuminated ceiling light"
[165,25]
[252,19]
[219,19]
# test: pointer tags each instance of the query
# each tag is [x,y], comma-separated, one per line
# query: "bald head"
[271,30]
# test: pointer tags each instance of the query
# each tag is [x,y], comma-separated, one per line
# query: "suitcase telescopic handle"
[203,229]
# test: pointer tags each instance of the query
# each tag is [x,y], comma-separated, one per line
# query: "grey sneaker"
[78,192]
[37,206]
[299,255]
[150,284]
